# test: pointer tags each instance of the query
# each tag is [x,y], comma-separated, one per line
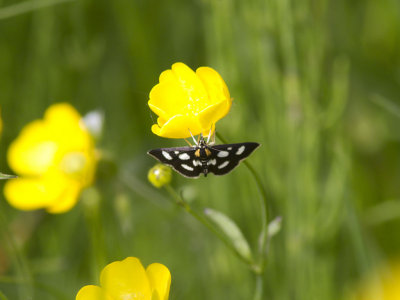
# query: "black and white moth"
[204,158]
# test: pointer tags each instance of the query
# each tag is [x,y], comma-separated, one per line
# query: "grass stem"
[182,203]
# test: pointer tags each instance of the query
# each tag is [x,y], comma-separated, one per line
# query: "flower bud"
[159,175]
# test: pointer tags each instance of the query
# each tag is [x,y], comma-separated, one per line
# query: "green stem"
[91,209]
[19,258]
[182,203]
[259,287]
[264,213]
[264,225]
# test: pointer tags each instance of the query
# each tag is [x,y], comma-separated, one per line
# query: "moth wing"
[228,156]
[181,159]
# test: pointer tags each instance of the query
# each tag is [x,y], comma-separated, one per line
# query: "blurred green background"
[315,82]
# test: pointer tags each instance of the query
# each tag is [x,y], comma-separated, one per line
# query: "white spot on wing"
[240,150]
[189,168]
[223,165]
[196,163]
[184,156]
[212,162]
[229,148]
[166,155]
[176,152]
[223,154]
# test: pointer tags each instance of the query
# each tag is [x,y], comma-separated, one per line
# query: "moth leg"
[190,145]
[209,135]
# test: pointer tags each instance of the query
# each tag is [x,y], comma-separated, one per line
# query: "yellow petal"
[160,279]
[158,111]
[219,94]
[32,153]
[214,84]
[62,115]
[180,91]
[167,76]
[92,292]
[168,99]
[182,72]
[193,88]
[126,279]
[155,296]
[79,166]
[161,122]
[67,198]
[31,193]
[178,127]
[213,113]
[50,191]
[66,128]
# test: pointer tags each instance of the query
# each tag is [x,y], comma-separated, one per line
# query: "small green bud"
[159,175]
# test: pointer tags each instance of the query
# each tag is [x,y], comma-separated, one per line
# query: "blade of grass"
[27,6]
[386,104]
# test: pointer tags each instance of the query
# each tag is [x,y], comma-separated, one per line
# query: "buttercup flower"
[55,159]
[185,100]
[159,175]
[128,280]
[384,284]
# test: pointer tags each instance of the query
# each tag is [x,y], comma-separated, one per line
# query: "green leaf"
[26,6]
[232,231]
[5,176]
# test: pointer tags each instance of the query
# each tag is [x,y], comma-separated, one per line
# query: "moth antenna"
[194,140]
[209,135]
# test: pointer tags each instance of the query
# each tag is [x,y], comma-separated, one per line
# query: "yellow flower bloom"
[128,280]
[384,284]
[55,159]
[159,175]
[185,100]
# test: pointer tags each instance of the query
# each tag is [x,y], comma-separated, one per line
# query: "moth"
[204,158]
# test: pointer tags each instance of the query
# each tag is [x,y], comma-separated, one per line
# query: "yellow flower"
[159,175]
[384,284]
[128,280]
[55,159]
[185,100]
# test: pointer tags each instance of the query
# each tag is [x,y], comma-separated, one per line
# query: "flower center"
[133,296]
[74,164]
[195,105]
